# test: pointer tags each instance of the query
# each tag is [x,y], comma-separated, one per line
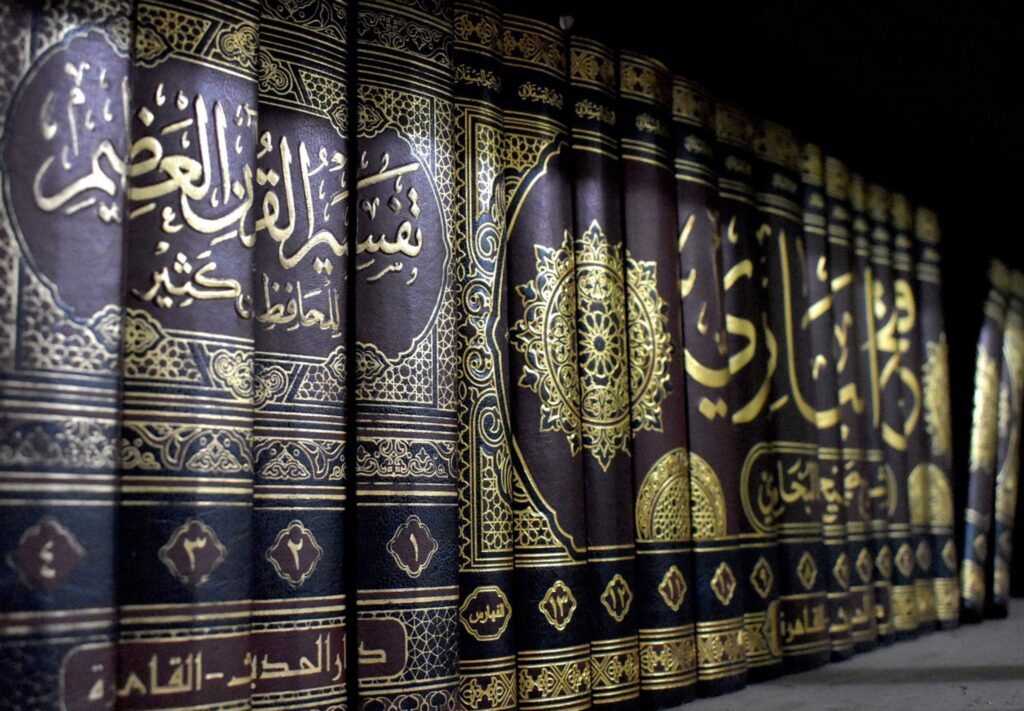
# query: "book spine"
[1007,469]
[62,240]
[299,547]
[487,646]
[405,360]
[819,322]
[786,475]
[881,483]
[984,440]
[935,385]
[715,509]
[753,360]
[550,544]
[603,353]
[186,563]
[907,300]
[665,619]
[892,423]
[854,400]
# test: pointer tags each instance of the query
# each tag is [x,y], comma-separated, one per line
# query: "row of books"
[416,354]
[992,492]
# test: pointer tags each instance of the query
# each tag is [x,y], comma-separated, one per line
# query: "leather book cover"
[187,470]
[487,641]
[552,616]
[1011,390]
[787,474]
[853,398]
[661,471]
[717,591]
[405,360]
[63,161]
[978,513]
[603,359]
[819,323]
[301,325]
[753,360]
[936,416]
[906,297]
[881,481]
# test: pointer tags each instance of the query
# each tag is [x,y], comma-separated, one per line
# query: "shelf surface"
[971,667]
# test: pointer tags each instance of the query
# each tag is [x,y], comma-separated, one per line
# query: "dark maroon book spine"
[753,360]
[665,611]
[935,384]
[551,583]
[714,469]
[606,397]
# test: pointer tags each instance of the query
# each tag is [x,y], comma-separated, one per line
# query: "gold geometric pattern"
[949,555]
[884,562]
[617,597]
[904,560]
[663,500]
[841,571]
[558,605]
[924,556]
[673,588]
[864,565]
[708,501]
[581,289]
[807,570]
[937,410]
[762,578]
[723,583]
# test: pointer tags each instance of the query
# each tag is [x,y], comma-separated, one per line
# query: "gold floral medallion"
[573,338]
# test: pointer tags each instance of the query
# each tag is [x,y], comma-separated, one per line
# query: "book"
[62,249]
[753,360]
[551,584]
[978,511]
[786,475]
[853,397]
[714,470]
[935,386]
[487,641]
[607,394]
[301,547]
[187,472]
[819,322]
[405,367]
[661,475]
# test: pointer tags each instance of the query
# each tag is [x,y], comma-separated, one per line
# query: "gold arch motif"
[663,501]
[708,501]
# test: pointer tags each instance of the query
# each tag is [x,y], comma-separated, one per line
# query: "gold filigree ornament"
[708,510]
[937,411]
[581,296]
[663,500]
